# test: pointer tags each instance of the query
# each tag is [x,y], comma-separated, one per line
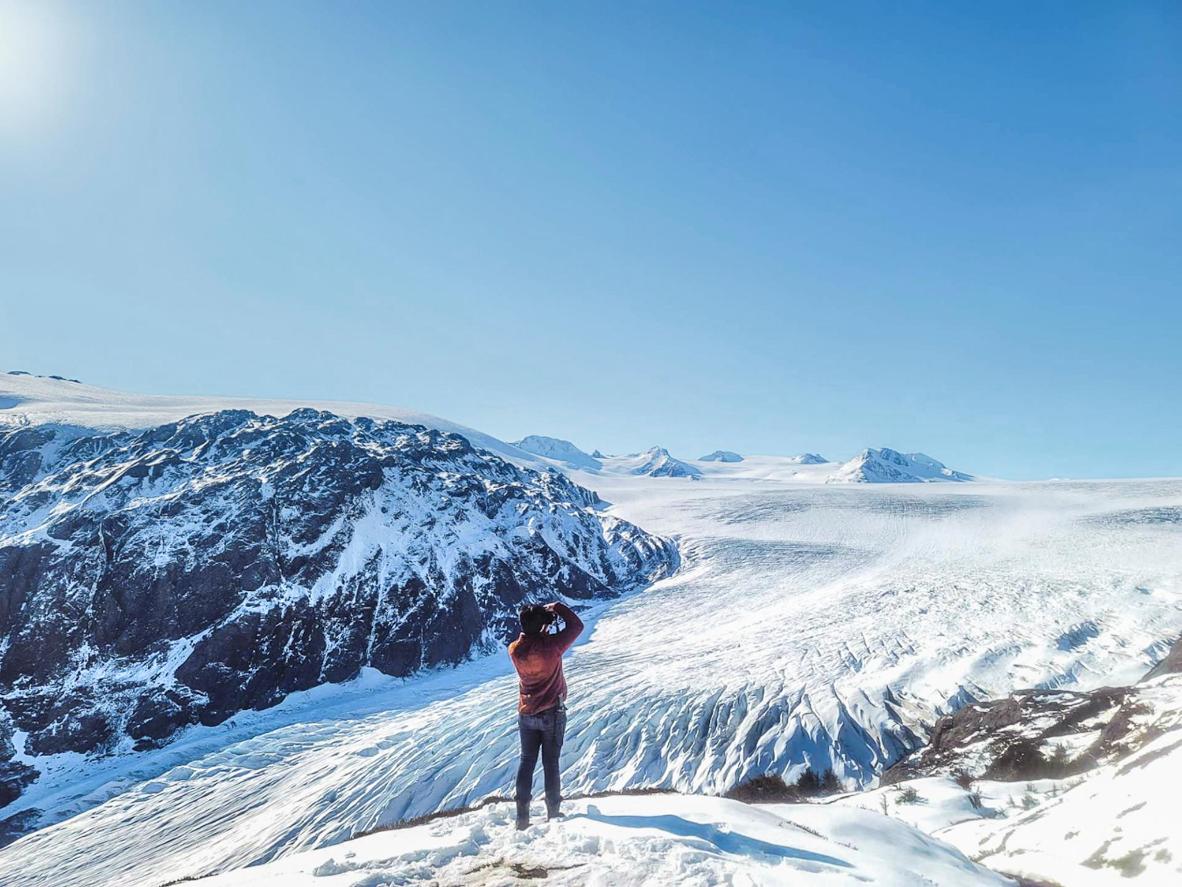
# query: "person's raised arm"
[573,625]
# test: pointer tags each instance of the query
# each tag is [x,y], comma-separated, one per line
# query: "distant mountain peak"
[809,459]
[885,466]
[721,456]
[657,462]
[560,451]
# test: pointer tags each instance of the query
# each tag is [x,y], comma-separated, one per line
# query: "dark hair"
[534,618]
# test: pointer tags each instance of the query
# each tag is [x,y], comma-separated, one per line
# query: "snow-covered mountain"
[809,459]
[721,456]
[890,466]
[177,575]
[55,400]
[558,450]
[655,462]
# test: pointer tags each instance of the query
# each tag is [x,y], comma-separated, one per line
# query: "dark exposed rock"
[1171,664]
[150,580]
[19,823]
[14,775]
[1008,739]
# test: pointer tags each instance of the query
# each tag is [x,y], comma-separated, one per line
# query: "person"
[541,709]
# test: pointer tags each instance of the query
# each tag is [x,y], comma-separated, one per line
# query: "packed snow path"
[810,625]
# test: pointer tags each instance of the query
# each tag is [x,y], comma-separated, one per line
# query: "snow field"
[642,840]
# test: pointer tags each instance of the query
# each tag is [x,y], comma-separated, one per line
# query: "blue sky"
[764,227]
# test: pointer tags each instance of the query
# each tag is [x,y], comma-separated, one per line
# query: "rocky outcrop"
[1037,734]
[1170,664]
[155,579]
[1011,739]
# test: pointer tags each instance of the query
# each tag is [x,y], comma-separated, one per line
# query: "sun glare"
[32,64]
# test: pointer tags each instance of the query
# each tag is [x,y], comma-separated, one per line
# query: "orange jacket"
[538,660]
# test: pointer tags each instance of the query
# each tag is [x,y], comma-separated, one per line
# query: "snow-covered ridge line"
[26,399]
[54,400]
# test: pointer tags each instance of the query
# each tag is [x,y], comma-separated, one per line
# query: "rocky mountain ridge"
[175,575]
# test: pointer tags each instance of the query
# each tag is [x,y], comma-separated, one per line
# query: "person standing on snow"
[541,710]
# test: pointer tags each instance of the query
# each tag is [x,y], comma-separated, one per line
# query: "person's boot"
[522,815]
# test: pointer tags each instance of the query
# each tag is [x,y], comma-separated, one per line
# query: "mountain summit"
[887,466]
[657,462]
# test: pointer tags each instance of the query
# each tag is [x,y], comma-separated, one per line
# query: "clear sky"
[951,227]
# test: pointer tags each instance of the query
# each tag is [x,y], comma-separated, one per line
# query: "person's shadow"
[725,842]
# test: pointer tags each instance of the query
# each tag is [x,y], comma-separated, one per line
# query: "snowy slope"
[558,450]
[762,469]
[625,841]
[1113,823]
[41,400]
[889,466]
[1063,787]
[812,625]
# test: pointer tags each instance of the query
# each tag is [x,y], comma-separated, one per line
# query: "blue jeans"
[540,732]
